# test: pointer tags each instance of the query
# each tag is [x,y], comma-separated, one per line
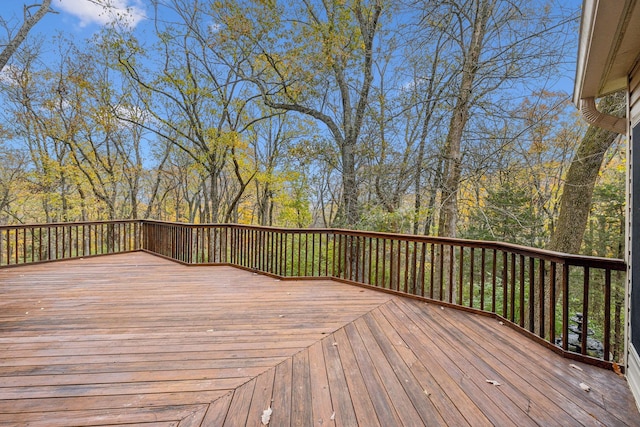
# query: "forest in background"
[425,117]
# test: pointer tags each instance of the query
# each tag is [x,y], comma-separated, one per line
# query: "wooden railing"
[25,244]
[557,299]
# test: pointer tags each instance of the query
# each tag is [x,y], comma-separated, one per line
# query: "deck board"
[262,394]
[134,339]
[384,348]
[549,404]
[281,400]
[607,401]
[392,382]
[322,410]
[342,403]
[433,389]
[301,409]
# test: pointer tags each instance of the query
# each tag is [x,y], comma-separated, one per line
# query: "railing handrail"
[67,224]
[554,256]
[45,242]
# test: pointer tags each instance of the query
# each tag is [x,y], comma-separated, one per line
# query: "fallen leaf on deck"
[281,316]
[617,370]
[585,387]
[494,382]
[441,308]
[576,367]
[266,415]
[502,323]
[427,393]
[333,416]
[335,344]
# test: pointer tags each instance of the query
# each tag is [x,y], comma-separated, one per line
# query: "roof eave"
[602,33]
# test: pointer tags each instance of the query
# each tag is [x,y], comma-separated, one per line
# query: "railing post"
[505,284]
[585,311]
[565,306]
[541,270]
[607,315]
[552,302]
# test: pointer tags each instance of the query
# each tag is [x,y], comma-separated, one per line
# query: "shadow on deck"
[135,339]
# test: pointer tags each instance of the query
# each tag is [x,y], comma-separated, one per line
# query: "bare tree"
[196,99]
[479,13]
[493,48]
[323,70]
[30,20]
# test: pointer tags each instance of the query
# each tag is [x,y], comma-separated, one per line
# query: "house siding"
[633,359]
[634,95]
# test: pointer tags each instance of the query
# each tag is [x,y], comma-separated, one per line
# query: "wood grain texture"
[134,339]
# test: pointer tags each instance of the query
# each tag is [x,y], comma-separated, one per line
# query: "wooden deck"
[133,339]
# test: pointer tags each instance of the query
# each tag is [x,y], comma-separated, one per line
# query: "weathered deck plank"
[133,339]
[320,390]
[382,349]
[548,404]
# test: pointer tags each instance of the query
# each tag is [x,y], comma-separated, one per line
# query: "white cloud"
[103,12]
[8,74]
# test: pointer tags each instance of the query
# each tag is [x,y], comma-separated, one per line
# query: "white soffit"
[609,46]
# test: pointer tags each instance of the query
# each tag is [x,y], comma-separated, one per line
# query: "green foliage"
[605,230]
[507,214]
[293,202]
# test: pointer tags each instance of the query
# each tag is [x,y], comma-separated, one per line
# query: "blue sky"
[82,18]
[78,17]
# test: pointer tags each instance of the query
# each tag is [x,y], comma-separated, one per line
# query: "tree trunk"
[351,209]
[27,25]
[459,118]
[575,202]
[452,153]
